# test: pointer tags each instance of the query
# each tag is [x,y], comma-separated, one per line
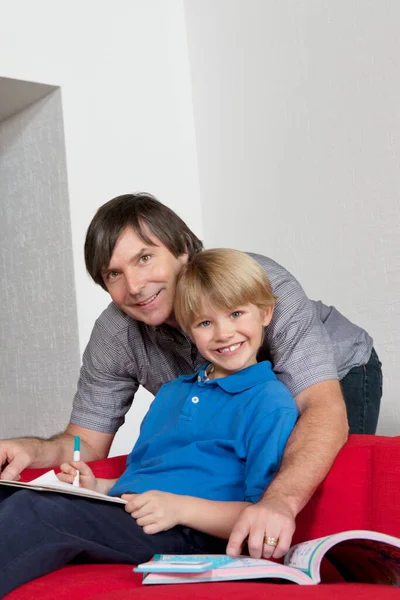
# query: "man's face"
[141,278]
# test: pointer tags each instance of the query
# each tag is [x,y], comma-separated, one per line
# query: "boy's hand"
[86,475]
[155,511]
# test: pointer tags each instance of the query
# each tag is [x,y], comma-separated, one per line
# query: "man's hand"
[268,517]
[154,511]
[16,455]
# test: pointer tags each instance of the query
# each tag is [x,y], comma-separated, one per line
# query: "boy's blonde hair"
[221,278]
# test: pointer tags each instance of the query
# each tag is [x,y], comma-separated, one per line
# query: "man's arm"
[20,453]
[320,433]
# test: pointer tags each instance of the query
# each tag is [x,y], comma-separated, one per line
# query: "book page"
[50,478]
[49,482]
[300,556]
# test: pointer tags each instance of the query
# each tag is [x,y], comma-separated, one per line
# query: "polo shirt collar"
[237,382]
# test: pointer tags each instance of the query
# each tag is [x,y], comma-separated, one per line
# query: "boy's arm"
[318,436]
[158,511]
[211,516]
[105,485]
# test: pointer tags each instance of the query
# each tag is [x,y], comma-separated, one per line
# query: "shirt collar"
[237,382]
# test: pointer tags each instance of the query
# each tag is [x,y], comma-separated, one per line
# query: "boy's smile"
[230,339]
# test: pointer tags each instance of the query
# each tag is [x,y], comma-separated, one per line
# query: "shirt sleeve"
[269,428]
[296,341]
[107,382]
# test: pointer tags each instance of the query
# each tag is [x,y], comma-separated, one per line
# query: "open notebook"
[49,482]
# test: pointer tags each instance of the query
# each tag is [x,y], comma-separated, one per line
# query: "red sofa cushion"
[118,582]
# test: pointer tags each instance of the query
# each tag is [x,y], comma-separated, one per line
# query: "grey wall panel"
[39,349]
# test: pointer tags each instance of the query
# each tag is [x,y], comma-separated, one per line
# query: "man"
[135,248]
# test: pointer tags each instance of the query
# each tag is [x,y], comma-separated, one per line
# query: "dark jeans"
[362,391]
[41,532]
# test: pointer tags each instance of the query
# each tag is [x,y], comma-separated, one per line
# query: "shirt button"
[199,378]
[195,399]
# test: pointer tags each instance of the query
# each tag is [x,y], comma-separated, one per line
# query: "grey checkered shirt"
[306,342]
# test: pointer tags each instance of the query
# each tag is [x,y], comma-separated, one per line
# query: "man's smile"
[148,301]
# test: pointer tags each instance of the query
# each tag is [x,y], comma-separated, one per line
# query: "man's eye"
[236,314]
[145,258]
[204,323]
[112,275]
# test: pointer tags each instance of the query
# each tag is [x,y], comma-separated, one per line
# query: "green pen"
[77,456]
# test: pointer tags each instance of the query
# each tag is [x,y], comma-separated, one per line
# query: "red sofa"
[361,492]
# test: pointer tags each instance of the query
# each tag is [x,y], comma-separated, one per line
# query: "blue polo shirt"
[221,439]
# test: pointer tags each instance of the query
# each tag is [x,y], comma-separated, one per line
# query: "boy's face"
[141,278]
[230,339]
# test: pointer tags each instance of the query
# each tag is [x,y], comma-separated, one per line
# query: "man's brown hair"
[138,211]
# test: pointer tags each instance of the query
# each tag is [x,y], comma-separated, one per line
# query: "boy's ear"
[267,315]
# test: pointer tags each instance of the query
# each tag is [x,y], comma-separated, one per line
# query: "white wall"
[297,127]
[123,72]
[297,121]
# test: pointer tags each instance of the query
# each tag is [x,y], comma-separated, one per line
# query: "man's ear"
[183,258]
[267,315]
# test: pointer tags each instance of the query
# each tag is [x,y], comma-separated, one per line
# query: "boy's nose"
[224,331]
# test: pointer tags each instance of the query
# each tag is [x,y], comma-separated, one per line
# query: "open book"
[364,556]
[49,482]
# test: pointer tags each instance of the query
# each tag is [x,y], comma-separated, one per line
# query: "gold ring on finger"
[271,541]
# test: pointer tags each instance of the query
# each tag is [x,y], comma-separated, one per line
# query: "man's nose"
[135,285]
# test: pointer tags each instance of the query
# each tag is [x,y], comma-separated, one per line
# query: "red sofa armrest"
[358,492]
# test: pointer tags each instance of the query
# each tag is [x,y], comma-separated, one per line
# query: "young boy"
[209,445]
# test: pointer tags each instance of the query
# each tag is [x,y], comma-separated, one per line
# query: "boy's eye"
[204,323]
[145,258]
[236,314]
